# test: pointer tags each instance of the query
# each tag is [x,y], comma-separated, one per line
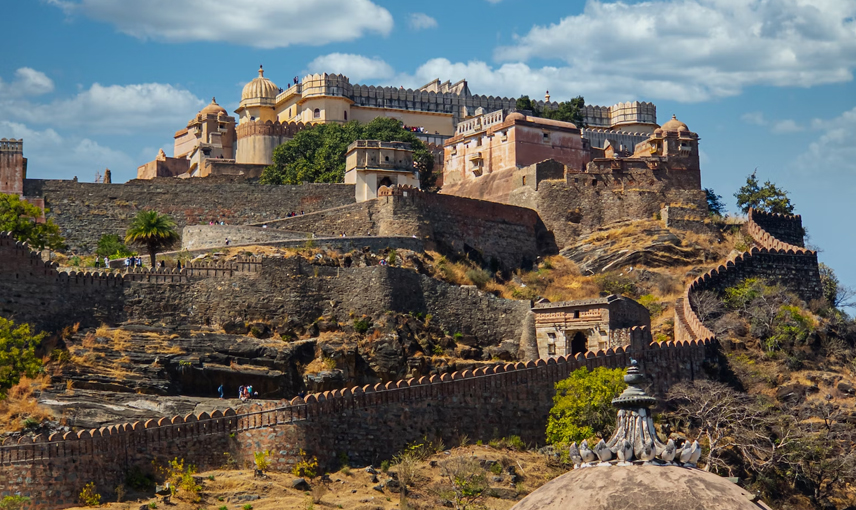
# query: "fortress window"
[551,349]
[576,314]
[478,142]
[546,137]
[386,158]
[346,115]
[524,180]
[316,114]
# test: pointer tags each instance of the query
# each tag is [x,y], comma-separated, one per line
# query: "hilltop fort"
[516,189]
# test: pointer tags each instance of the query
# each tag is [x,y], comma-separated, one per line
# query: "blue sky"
[767,84]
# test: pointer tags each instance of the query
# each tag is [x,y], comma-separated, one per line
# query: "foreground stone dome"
[639,488]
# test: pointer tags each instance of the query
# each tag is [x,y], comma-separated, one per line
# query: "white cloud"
[754,118]
[27,82]
[786,127]
[258,23]
[833,151]
[695,50]
[421,21]
[356,67]
[516,79]
[121,109]
[51,155]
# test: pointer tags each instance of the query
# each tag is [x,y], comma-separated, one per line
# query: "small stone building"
[570,327]
[371,164]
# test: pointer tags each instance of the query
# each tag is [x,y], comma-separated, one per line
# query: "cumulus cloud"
[833,150]
[695,50]
[786,126]
[754,118]
[258,23]
[421,21]
[115,109]
[356,67]
[516,79]
[27,82]
[51,155]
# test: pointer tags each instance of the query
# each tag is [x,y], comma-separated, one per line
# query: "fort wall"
[34,291]
[369,423]
[510,235]
[779,262]
[584,202]
[86,211]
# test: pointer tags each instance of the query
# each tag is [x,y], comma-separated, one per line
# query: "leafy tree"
[317,154]
[18,217]
[767,198]
[837,295]
[152,230]
[524,103]
[715,205]
[17,354]
[583,404]
[568,111]
[111,245]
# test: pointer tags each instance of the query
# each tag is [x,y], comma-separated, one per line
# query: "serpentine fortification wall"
[368,424]
[778,257]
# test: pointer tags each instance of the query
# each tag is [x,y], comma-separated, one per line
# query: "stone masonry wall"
[777,261]
[86,211]
[35,292]
[369,423]
[569,209]
[512,236]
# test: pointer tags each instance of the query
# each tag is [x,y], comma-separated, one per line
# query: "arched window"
[386,158]
[346,115]
[316,114]
[579,343]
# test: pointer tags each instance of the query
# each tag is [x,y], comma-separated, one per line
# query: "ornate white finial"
[635,440]
[213,100]
[547,96]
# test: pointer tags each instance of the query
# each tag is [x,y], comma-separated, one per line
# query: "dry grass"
[353,490]
[21,405]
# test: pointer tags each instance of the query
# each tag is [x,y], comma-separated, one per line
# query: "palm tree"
[152,230]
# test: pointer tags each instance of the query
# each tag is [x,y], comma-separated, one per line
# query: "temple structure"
[567,328]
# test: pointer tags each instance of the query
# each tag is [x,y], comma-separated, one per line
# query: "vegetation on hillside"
[317,153]
[18,217]
[112,246]
[568,111]
[153,231]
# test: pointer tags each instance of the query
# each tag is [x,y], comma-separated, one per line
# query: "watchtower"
[13,166]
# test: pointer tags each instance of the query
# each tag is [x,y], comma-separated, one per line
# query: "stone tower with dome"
[258,131]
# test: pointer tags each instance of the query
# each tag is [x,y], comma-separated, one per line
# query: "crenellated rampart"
[774,259]
[368,423]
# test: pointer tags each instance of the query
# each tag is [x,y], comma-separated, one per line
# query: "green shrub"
[496,468]
[112,246]
[306,466]
[654,306]
[262,460]
[361,325]
[393,255]
[89,496]
[13,502]
[384,466]
[612,283]
[479,277]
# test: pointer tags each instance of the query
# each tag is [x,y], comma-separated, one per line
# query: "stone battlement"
[368,423]
[787,264]
[268,128]
[11,145]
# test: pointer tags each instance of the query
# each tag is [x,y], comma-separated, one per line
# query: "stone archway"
[579,343]
[386,181]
